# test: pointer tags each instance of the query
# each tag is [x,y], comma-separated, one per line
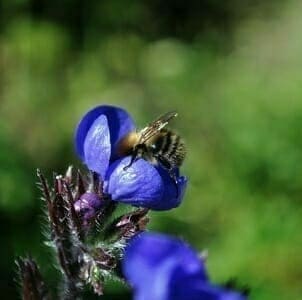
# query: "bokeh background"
[233,71]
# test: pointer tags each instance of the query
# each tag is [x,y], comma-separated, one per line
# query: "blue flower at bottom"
[143,184]
[163,268]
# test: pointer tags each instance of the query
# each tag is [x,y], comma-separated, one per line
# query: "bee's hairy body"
[168,148]
[165,147]
[155,144]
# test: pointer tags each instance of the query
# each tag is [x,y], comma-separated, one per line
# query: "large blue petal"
[152,261]
[119,121]
[144,185]
[174,191]
[97,148]
[139,185]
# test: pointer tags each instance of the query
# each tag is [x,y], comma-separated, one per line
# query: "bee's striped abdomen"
[170,147]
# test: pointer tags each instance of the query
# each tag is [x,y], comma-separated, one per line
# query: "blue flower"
[163,268]
[143,184]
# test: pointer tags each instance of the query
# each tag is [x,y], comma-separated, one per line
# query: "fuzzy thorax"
[127,143]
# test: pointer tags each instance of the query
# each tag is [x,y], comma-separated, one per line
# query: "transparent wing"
[154,127]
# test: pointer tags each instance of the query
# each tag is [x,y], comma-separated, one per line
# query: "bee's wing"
[165,118]
[158,124]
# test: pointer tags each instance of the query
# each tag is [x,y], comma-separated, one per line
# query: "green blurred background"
[233,71]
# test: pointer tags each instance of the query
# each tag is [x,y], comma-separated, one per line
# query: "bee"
[156,144]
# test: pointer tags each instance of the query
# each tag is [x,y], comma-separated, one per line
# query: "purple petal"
[119,121]
[144,185]
[197,289]
[97,148]
[151,262]
[174,191]
[139,185]
[164,268]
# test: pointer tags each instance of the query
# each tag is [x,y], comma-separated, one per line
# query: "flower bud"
[88,205]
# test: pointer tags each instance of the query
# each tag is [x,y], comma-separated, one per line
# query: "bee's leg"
[133,158]
[137,152]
